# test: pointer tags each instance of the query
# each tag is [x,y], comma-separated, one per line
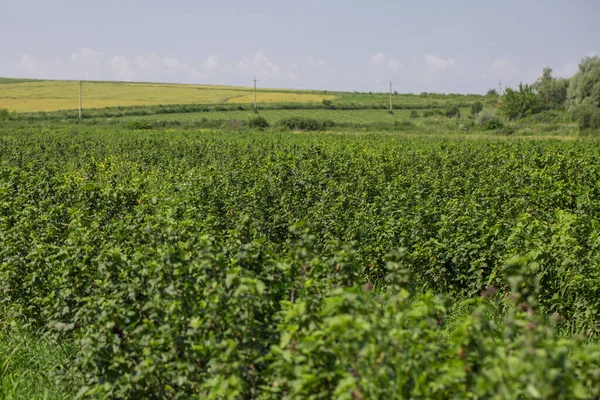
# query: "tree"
[520,103]
[452,111]
[584,88]
[552,91]
[476,108]
[492,92]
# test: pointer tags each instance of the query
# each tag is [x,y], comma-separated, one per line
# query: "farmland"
[324,248]
[233,263]
[27,96]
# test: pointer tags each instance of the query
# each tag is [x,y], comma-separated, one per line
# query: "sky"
[460,46]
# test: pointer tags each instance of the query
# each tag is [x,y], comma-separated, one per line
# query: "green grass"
[32,366]
[338,116]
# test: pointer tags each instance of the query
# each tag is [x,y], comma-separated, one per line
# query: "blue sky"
[463,46]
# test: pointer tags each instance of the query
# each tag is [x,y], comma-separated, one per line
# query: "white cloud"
[211,63]
[380,61]
[122,68]
[171,63]
[259,64]
[147,62]
[91,64]
[503,66]
[434,63]
[312,62]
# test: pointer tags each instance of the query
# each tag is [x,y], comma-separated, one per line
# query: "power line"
[255,103]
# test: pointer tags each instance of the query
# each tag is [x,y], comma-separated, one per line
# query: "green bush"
[414,114]
[452,112]
[587,117]
[306,124]
[476,108]
[432,113]
[4,114]
[139,125]
[258,122]
[328,104]
[520,103]
[404,125]
[494,123]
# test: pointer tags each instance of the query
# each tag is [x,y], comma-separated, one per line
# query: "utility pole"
[500,91]
[80,100]
[255,105]
[391,108]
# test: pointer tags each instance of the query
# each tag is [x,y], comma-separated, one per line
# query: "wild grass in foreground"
[33,365]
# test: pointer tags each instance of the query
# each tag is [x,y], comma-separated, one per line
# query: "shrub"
[234,125]
[492,93]
[493,124]
[328,104]
[452,112]
[305,124]
[587,117]
[258,122]
[476,108]
[138,124]
[521,103]
[414,114]
[431,113]
[5,115]
[403,125]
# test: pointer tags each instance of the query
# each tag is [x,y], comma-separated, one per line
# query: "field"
[316,250]
[28,96]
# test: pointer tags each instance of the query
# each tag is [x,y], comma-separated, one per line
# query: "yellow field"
[63,95]
[276,97]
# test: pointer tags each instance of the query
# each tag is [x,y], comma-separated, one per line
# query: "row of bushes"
[257,122]
[116,112]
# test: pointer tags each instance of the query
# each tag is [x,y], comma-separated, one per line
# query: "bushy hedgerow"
[306,124]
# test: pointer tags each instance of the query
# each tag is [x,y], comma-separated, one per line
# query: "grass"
[32,366]
[338,116]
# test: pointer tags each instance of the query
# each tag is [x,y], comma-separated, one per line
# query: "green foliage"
[414,114]
[476,108]
[404,125]
[552,91]
[432,113]
[328,104]
[584,87]
[587,117]
[138,125]
[522,103]
[258,122]
[493,124]
[452,112]
[5,115]
[32,367]
[276,265]
[306,124]
[492,93]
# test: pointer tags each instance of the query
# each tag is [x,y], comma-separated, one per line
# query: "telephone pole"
[255,104]
[391,108]
[500,90]
[80,100]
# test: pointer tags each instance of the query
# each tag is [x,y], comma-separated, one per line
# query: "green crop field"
[232,262]
[172,243]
